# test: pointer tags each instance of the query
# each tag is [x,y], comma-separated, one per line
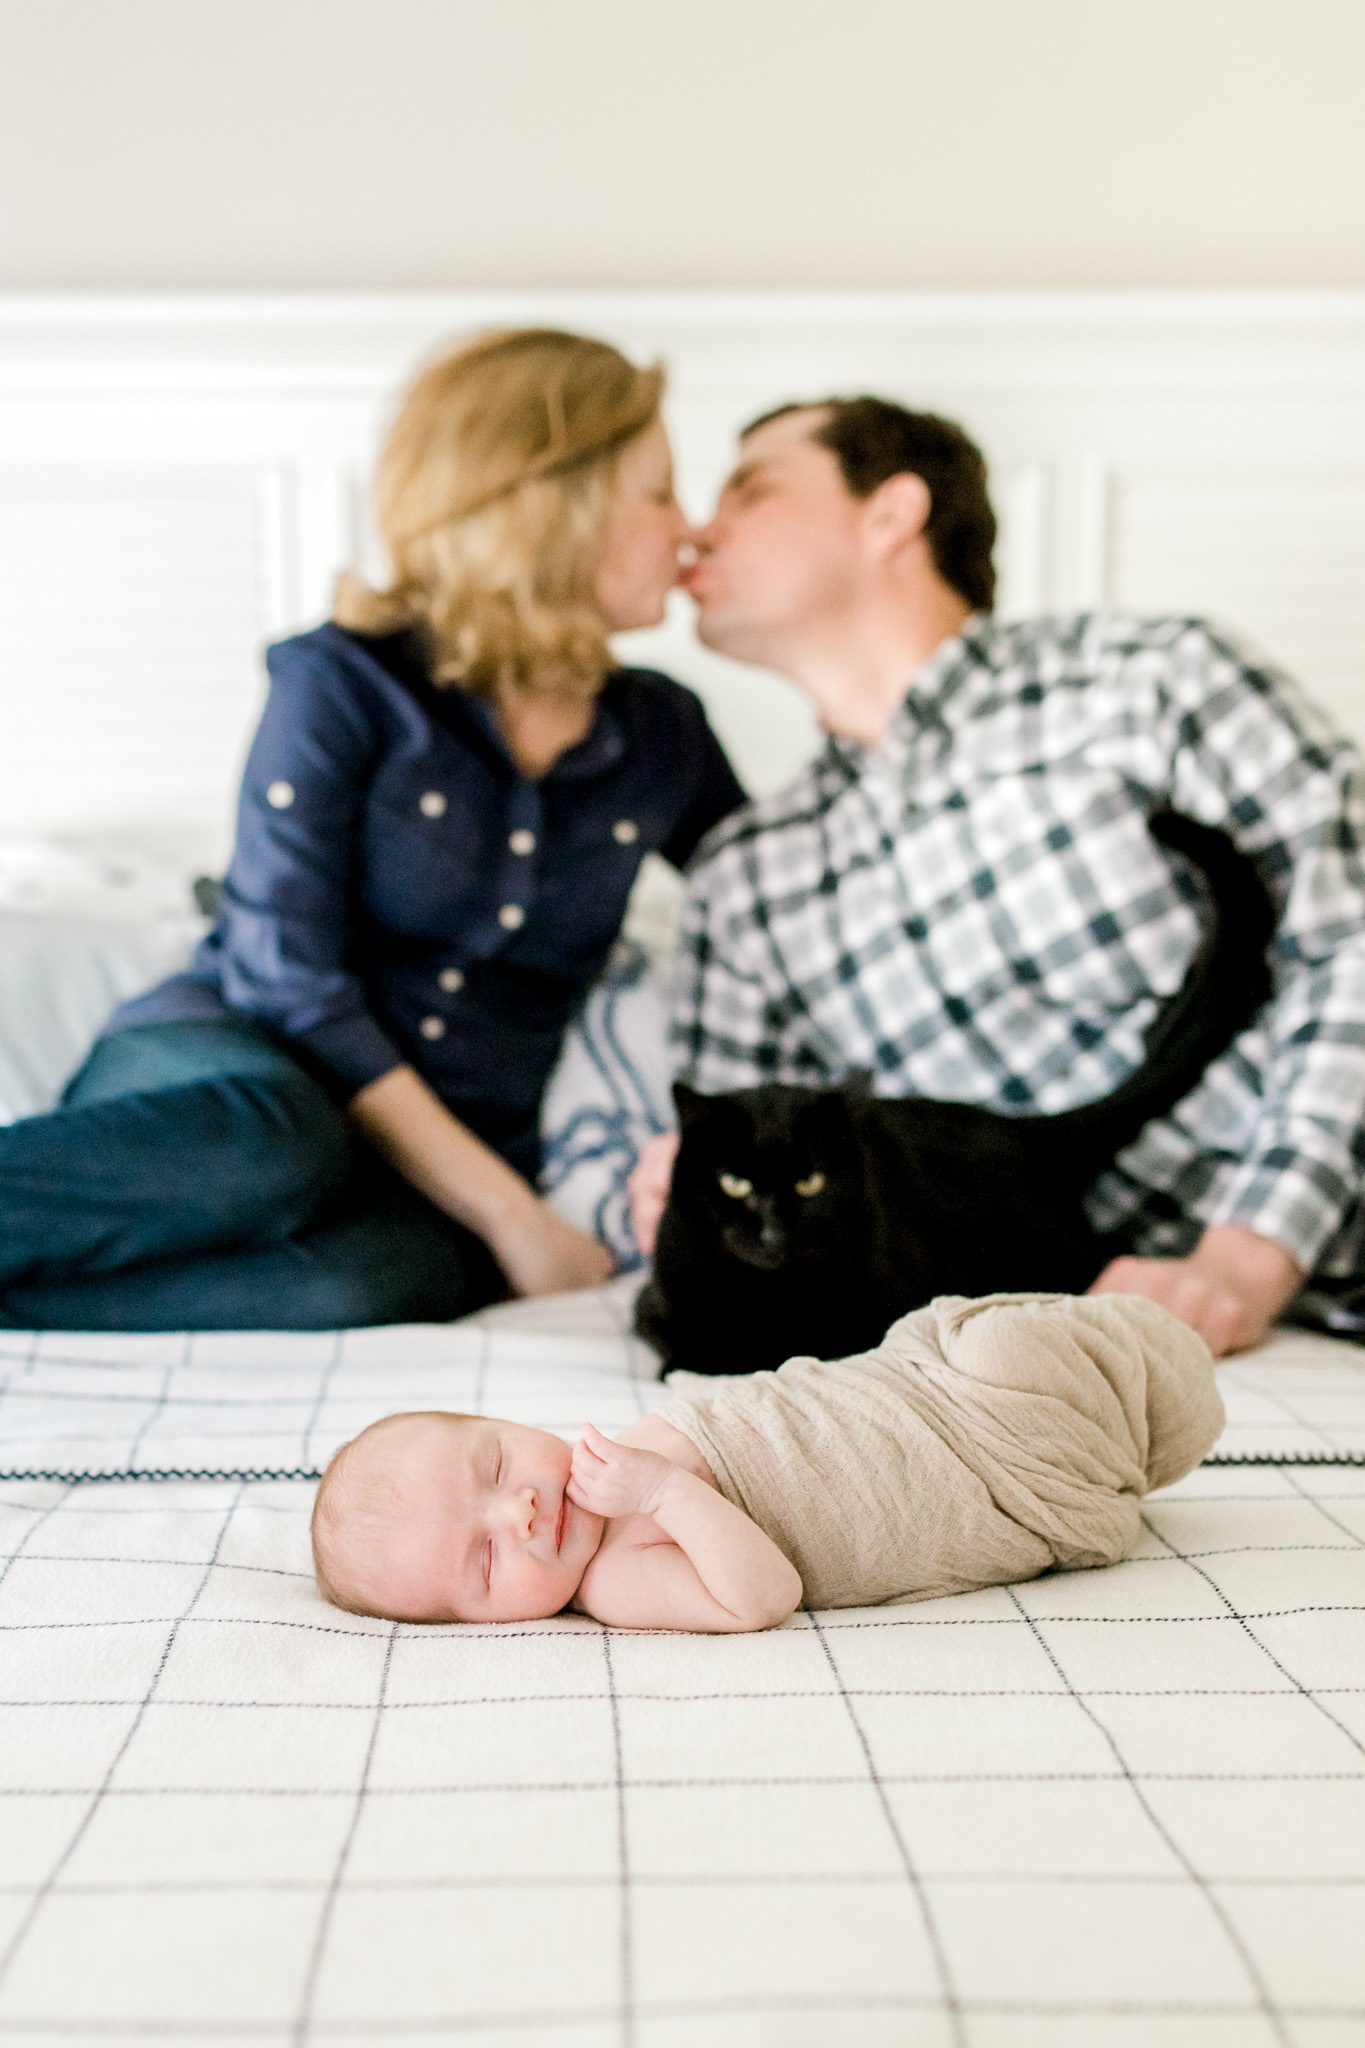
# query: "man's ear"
[898,511]
[857,1086]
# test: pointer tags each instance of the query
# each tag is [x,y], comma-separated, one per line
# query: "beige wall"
[338,143]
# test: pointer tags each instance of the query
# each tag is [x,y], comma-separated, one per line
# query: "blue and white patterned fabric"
[976,911]
[608,1096]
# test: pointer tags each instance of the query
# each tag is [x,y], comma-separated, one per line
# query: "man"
[961,894]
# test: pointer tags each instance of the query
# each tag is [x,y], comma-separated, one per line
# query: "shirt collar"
[924,704]
[601,747]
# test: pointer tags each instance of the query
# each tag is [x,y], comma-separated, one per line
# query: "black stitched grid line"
[17,1365]
[158,1406]
[1261,1990]
[1314,1500]
[672,1699]
[304,2023]
[1246,1620]
[106,1397]
[637,1351]
[456,2024]
[32,1530]
[673,1880]
[951,2004]
[456,1789]
[466,1631]
[626,1923]
[324,1385]
[269,1571]
[772,2003]
[103,1789]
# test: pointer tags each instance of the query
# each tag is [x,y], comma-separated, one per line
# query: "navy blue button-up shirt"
[401,892]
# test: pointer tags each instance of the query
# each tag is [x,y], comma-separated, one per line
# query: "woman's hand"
[649,1185]
[542,1254]
[615,1479]
[539,1253]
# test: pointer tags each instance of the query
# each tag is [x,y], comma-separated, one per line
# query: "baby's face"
[487,1532]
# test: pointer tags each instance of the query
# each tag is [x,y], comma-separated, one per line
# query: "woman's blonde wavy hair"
[491,495]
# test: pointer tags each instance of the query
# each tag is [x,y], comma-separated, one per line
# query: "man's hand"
[616,1479]
[649,1185]
[1230,1289]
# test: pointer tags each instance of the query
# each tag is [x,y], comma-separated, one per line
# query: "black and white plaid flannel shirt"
[974,910]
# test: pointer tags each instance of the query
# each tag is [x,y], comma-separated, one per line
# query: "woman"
[331,1119]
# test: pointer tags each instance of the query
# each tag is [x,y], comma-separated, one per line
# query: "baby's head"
[439,1517]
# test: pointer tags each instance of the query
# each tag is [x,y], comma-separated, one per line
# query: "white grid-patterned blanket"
[1103,1810]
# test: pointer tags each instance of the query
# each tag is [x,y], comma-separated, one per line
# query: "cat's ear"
[690,1106]
[857,1086]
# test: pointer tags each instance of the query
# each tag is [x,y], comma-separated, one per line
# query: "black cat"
[806,1220]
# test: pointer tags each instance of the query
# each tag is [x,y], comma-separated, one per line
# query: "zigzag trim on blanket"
[226,1472]
[310,1472]
[1285,1458]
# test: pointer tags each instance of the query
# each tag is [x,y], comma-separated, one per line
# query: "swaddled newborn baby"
[981,1442]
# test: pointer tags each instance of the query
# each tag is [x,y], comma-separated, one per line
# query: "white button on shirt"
[511,917]
[522,841]
[451,980]
[280,795]
[432,1027]
[432,804]
[625,831]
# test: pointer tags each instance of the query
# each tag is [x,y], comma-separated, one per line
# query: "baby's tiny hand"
[615,1479]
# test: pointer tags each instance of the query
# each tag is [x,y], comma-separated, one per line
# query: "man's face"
[785,549]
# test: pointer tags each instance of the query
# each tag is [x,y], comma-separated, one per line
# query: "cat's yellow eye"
[735,1187]
[811,1185]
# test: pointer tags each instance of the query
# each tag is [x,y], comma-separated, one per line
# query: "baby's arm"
[718,1571]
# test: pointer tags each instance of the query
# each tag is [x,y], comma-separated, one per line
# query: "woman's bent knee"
[283,1147]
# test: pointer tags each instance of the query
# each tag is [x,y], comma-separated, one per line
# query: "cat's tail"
[1225,984]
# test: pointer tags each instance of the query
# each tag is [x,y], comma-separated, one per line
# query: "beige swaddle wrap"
[980,1442]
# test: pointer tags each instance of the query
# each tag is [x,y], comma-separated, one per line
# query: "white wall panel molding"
[1023,497]
[1163,450]
[988,340]
[1090,578]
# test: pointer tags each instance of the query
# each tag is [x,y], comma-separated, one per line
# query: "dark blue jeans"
[196,1177]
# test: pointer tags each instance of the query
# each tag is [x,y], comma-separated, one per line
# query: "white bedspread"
[1103,1810]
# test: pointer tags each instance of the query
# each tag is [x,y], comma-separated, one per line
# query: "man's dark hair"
[873,439]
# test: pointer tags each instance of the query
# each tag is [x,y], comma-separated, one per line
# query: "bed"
[1117,1809]
[1112,1807]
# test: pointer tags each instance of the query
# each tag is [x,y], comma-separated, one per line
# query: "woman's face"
[644,529]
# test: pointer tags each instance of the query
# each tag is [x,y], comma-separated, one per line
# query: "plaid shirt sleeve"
[1252,755]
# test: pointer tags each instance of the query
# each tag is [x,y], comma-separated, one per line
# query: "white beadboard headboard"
[181,477]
